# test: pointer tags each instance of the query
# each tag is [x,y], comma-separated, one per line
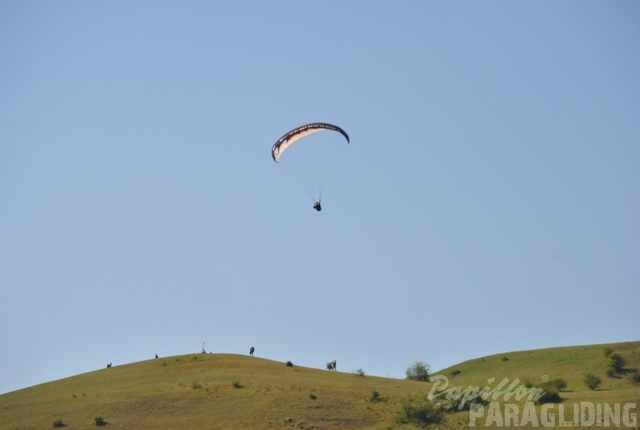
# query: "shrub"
[58,423]
[551,395]
[617,362]
[236,384]
[592,381]
[505,358]
[359,372]
[418,371]
[196,386]
[455,372]
[558,383]
[289,364]
[458,403]
[635,377]
[375,397]
[608,352]
[420,410]
[313,396]
[99,421]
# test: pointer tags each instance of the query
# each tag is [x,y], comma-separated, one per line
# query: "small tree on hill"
[418,371]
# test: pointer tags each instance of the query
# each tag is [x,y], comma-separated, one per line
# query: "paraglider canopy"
[298,133]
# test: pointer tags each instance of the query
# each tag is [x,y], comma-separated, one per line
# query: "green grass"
[568,363]
[200,391]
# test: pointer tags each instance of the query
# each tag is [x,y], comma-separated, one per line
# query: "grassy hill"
[568,363]
[225,391]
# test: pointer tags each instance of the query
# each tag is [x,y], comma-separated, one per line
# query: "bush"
[635,377]
[558,383]
[313,396]
[608,352]
[420,410]
[505,358]
[617,362]
[375,397]
[418,371]
[359,372]
[455,372]
[236,384]
[592,381]
[551,390]
[289,364]
[458,403]
[58,423]
[551,395]
[99,421]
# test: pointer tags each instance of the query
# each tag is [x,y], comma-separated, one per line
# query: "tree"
[418,371]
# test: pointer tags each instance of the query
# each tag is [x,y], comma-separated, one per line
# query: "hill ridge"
[228,391]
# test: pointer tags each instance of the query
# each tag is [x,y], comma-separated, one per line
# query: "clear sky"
[488,202]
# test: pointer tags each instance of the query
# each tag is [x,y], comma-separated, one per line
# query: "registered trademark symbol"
[545,378]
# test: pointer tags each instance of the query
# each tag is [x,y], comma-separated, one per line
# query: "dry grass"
[224,391]
[197,391]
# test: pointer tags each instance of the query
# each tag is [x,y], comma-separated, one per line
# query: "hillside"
[568,363]
[225,391]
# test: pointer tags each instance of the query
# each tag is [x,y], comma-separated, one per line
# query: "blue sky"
[488,201]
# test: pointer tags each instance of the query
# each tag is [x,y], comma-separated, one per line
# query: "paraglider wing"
[298,133]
